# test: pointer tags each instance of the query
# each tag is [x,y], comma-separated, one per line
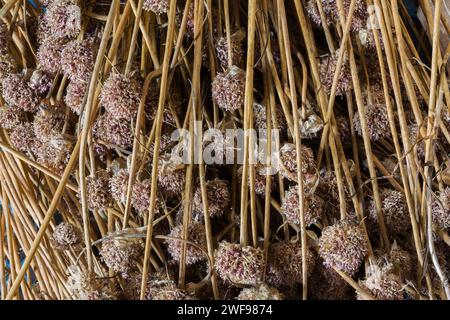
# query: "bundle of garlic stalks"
[351,95]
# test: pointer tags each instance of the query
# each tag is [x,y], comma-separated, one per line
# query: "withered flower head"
[395,211]
[383,285]
[66,235]
[397,261]
[118,185]
[76,91]
[441,209]
[260,292]
[7,65]
[332,13]
[377,121]
[64,19]
[77,59]
[49,54]
[314,207]
[48,122]
[55,153]
[343,246]
[327,284]
[5,38]
[239,265]
[260,118]
[360,15]
[259,179]
[120,96]
[228,89]
[151,108]
[285,258]
[311,125]
[41,82]
[140,198]
[113,132]
[222,51]
[218,196]
[98,195]
[343,128]
[288,163]
[17,93]
[416,141]
[171,175]
[157,6]
[328,186]
[328,69]
[313,12]
[196,235]
[23,137]
[121,254]
[160,286]
[84,286]
[11,117]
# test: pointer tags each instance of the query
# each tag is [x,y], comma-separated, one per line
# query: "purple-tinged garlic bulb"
[17,93]
[120,96]
[343,246]
[113,132]
[64,19]
[314,207]
[239,265]
[121,255]
[218,196]
[260,292]
[395,211]
[228,89]
[65,235]
[196,235]
[77,59]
